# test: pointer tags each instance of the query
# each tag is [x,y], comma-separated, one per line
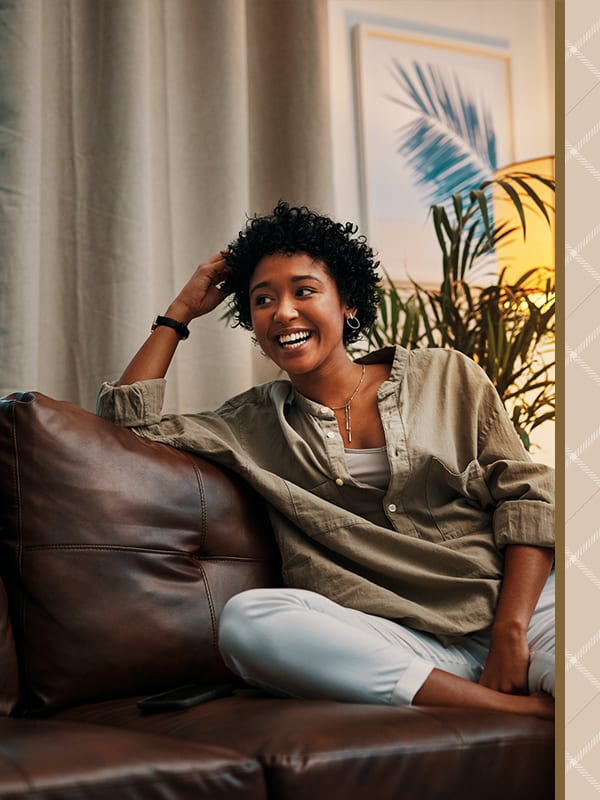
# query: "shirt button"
[339,481]
[330,435]
[325,410]
[392,507]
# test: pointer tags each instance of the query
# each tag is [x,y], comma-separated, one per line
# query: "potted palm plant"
[507,327]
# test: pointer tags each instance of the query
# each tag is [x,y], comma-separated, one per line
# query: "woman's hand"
[202,293]
[526,570]
[507,664]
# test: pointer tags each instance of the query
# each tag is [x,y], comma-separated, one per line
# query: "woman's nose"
[286,309]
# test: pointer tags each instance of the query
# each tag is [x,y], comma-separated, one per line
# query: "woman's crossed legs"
[299,643]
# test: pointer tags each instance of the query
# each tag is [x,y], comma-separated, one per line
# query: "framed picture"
[434,120]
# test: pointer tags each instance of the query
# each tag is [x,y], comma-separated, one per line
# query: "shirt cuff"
[133,405]
[529,522]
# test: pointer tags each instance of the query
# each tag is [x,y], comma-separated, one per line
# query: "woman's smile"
[294,340]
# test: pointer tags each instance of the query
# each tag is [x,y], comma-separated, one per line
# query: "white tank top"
[370,465]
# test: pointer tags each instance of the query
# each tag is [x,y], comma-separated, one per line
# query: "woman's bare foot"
[544,705]
[443,689]
[539,704]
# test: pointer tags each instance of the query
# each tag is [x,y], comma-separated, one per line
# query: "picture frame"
[434,118]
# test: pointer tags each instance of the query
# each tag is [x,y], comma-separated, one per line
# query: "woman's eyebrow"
[297,278]
[260,285]
[294,279]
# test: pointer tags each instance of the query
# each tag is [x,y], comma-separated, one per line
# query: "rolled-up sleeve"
[137,404]
[522,490]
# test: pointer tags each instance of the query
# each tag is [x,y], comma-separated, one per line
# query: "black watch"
[181,329]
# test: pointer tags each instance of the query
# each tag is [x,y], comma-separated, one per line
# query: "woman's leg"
[541,636]
[299,643]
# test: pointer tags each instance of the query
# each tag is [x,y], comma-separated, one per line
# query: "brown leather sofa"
[117,556]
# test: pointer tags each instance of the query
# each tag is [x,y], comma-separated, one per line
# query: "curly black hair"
[288,230]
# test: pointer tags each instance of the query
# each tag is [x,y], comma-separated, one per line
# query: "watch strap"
[168,322]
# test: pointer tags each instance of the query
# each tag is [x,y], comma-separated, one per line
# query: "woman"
[416,534]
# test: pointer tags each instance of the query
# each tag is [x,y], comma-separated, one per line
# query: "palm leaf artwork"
[449,145]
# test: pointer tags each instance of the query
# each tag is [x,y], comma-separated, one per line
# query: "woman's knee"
[542,673]
[237,614]
[245,618]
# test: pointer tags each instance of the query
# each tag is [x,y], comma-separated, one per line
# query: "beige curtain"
[135,136]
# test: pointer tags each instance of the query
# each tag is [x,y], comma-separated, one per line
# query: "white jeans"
[295,642]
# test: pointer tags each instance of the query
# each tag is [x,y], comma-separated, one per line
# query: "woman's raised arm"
[201,294]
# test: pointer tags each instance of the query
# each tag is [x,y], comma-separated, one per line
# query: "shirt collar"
[395,355]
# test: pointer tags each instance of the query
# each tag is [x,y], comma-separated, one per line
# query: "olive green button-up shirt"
[427,551]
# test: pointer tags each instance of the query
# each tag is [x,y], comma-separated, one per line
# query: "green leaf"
[458,208]
[478,196]
[510,191]
[532,194]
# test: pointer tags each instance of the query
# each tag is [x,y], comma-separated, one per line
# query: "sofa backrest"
[118,555]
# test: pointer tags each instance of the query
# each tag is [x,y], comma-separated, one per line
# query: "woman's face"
[297,313]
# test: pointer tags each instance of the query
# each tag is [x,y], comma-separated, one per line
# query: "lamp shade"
[516,254]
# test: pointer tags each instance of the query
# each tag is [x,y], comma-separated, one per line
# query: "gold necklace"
[346,405]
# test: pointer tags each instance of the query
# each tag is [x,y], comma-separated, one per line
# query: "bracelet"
[180,327]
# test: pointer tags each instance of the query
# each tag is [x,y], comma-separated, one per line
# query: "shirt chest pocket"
[459,502]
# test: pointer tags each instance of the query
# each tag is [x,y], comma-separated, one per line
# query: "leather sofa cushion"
[118,555]
[52,761]
[319,749]
[9,675]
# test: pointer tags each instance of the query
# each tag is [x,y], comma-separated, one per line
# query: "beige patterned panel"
[582,394]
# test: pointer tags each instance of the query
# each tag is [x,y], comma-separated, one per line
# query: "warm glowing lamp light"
[515,255]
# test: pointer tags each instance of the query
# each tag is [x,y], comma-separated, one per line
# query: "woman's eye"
[261,300]
[304,291]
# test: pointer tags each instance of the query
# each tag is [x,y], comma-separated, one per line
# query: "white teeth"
[295,338]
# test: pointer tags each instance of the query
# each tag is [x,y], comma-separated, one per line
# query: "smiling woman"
[416,534]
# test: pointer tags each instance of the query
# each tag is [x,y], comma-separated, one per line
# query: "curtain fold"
[290,136]
[20,179]
[135,137]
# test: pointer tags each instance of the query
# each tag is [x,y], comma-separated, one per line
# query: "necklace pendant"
[346,406]
[348,423]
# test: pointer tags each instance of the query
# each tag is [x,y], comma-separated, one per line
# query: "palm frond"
[449,145]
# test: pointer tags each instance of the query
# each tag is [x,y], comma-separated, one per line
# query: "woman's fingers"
[203,292]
